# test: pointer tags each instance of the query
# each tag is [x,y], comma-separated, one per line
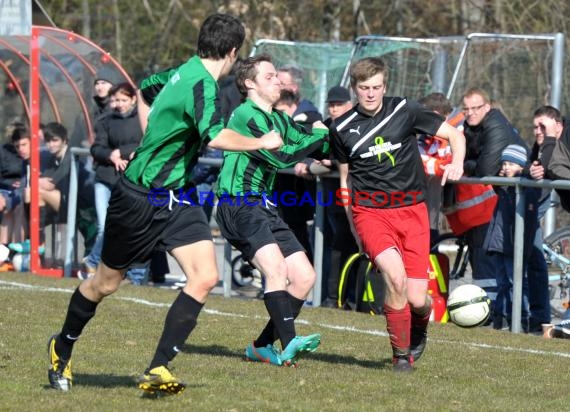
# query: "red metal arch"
[46,88]
[106,57]
[70,63]
[14,81]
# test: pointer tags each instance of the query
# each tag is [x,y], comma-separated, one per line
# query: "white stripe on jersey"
[376,128]
[348,119]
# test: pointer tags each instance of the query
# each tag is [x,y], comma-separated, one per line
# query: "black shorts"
[137,224]
[248,228]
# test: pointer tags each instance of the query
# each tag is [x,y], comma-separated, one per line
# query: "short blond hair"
[367,67]
[477,91]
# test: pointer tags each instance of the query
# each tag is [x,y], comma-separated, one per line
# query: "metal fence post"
[318,245]
[518,268]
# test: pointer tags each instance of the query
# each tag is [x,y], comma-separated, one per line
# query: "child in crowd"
[500,236]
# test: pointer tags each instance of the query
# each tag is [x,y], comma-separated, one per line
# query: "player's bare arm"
[319,125]
[345,186]
[143,108]
[454,170]
[230,140]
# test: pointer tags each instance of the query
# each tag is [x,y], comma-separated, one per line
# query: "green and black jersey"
[153,84]
[184,115]
[254,172]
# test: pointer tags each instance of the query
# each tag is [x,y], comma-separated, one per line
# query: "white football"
[21,262]
[468,306]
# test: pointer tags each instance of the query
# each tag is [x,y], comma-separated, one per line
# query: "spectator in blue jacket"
[499,240]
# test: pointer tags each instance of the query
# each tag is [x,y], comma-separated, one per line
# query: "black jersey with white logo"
[385,167]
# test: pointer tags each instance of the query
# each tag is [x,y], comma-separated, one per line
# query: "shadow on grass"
[351,360]
[217,350]
[104,380]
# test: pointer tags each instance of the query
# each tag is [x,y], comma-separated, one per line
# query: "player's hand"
[536,171]
[271,140]
[301,169]
[120,163]
[319,125]
[46,183]
[451,172]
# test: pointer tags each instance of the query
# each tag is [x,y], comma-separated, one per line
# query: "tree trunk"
[86,18]
[118,37]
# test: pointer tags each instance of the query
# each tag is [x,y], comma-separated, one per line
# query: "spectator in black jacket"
[487,133]
[547,126]
[14,155]
[558,166]
[117,135]
[105,78]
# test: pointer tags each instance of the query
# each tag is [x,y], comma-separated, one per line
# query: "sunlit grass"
[462,369]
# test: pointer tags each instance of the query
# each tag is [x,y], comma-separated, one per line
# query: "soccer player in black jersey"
[382,181]
[146,209]
[247,213]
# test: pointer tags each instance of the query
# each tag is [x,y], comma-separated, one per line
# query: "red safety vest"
[437,150]
[473,206]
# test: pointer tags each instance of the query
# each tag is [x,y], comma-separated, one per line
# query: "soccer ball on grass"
[468,306]
[21,262]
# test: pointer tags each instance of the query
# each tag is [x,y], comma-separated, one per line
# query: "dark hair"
[549,111]
[125,88]
[366,68]
[53,130]
[20,131]
[219,34]
[247,70]
[437,102]
[288,98]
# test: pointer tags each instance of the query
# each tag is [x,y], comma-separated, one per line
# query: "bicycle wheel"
[455,247]
[559,241]
[557,252]
[244,274]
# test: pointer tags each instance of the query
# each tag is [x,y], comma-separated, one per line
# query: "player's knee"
[304,279]
[101,288]
[420,303]
[397,286]
[277,270]
[207,280]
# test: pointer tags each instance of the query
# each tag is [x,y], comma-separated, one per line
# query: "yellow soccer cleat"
[59,372]
[160,380]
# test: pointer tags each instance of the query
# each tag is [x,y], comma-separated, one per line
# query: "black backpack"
[360,287]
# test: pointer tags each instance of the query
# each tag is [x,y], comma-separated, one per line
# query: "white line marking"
[4,285]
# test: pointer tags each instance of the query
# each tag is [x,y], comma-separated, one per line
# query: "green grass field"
[462,369]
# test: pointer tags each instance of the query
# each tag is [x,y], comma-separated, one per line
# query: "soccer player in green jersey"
[147,209]
[247,215]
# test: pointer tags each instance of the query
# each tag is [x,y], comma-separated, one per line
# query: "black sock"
[269,333]
[180,321]
[278,305]
[79,312]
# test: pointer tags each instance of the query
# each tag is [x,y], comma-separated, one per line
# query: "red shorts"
[404,228]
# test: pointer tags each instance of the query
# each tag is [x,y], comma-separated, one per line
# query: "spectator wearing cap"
[499,240]
[339,242]
[338,103]
[105,78]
